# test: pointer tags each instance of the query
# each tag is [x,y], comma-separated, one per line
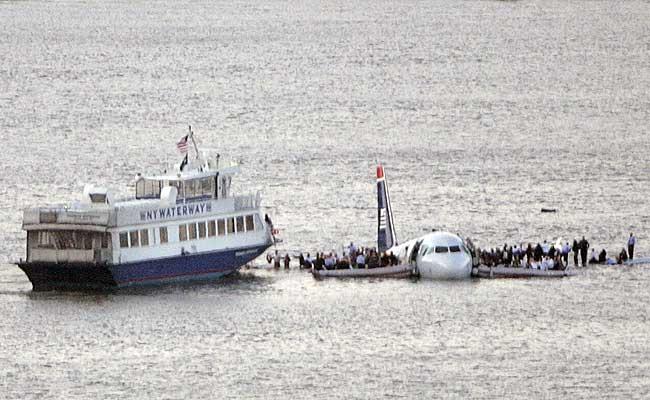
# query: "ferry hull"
[67,276]
[183,268]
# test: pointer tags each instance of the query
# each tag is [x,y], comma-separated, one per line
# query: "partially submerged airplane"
[436,255]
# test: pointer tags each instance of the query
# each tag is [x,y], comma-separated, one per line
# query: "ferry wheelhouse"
[178,227]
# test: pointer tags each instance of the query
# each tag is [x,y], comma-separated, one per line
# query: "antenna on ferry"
[196,149]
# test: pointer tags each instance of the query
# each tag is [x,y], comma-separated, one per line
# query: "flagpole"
[196,149]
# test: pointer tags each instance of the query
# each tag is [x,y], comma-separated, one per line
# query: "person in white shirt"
[515,256]
[630,246]
[550,264]
[594,258]
[330,261]
[361,261]
[544,265]
[566,249]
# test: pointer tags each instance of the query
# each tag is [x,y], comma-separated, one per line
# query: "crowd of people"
[543,256]
[352,257]
[547,256]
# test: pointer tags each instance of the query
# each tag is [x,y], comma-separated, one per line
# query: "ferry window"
[45,239]
[454,249]
[192,230]
[96,240]
[98,198]
[192,188]
[240,224]
[189,188]
[163,235]
[152,188]
[133,235]
[212,228]
[206,187]
[139,188]
[87,239]
[231,225]
[221,227]
[106,237]
[180,185]
[224,188]
[201,230]
[74,242]
[442,249]
[157,188]
[250,225]
[124,239]
[182,232]
[144,237]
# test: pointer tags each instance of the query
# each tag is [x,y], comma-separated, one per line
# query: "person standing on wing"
[630,246]
[584,246]
[576,251]
[566,249]
[276,260]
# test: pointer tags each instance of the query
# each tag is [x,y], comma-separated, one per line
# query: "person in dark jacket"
[584,246]
[622,257]
[393,259]
[308,263]
[509,256]
[537,256]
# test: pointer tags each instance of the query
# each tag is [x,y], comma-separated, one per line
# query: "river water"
[482,112]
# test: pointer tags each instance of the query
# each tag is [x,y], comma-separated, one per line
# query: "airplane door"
[414,251]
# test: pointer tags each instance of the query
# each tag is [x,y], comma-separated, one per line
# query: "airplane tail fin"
[385,227]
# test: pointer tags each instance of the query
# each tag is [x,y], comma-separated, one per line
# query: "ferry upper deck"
[165,211]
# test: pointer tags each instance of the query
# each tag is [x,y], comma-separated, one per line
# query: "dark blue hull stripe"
[189,267]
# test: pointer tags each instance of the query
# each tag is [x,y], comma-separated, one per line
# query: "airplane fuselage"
[437,255]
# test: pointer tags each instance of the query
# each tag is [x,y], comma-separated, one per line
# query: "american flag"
[182,145]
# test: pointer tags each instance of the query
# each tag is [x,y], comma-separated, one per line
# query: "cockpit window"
[454,249]
[442,249]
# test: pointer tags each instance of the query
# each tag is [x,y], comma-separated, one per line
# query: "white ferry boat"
[180,226]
